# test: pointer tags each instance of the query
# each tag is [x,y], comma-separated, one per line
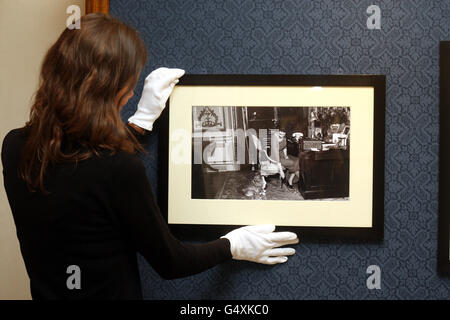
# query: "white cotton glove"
[260,244]
[157,88]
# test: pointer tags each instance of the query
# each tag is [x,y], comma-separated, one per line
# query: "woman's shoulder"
[122,162]
[14,135]
[13,140]
[118,161]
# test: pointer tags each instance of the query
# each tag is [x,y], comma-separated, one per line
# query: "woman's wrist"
[137,129]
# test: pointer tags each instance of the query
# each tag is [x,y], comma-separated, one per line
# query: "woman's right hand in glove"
[261,244]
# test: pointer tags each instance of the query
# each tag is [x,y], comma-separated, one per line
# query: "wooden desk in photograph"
[324,174]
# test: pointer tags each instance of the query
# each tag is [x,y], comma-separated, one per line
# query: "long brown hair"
[75,112]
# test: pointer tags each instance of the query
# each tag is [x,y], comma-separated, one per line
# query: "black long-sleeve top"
[97,215]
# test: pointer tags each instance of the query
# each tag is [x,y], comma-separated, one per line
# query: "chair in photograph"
[268,166]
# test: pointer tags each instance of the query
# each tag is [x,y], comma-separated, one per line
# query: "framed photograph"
[444,161]
[302,152]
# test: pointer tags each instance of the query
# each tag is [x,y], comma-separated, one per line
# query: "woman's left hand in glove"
[157,88]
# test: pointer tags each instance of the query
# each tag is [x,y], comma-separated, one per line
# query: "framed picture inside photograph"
[207,118]
[444,161]
[302,152]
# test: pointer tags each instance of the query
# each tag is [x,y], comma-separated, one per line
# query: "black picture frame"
[352,234]
[444,161]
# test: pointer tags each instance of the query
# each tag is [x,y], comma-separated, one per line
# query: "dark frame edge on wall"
[310,234]
[444,160]
[97,6]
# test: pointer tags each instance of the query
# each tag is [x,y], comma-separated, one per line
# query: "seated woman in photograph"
[289,162]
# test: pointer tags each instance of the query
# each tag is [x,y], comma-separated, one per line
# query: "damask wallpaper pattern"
[319,37]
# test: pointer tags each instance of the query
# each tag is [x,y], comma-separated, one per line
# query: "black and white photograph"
[252,149]
[270,153]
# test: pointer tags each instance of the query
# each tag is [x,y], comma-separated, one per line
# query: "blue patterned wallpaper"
[319,37]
